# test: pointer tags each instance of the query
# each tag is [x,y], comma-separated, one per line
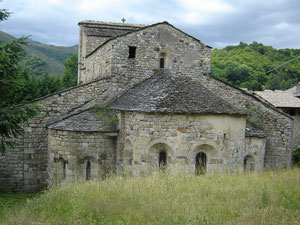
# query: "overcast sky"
[217,23]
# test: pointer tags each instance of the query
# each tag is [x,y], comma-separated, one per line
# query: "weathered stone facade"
[220,137]
[171,114]
[72,152]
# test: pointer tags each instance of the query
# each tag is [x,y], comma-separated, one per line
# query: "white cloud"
[201,11]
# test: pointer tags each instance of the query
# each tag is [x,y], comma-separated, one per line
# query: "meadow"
[263,198]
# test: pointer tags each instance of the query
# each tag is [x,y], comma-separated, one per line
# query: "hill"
[246,66]
[41,58]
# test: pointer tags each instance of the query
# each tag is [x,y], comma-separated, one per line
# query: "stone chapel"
[145,101]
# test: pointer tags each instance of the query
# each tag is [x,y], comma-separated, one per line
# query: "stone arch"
[84,156]
[207,148]
[128,152]
[160,155]
[249,163]
[164,59]
[61,166]
[207,154]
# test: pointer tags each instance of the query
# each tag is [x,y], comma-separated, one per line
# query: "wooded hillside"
[246,66]
[41,58]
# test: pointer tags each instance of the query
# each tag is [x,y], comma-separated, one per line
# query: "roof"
[140,29]
[87,121]
[173,94]
[107,29]
[280,99]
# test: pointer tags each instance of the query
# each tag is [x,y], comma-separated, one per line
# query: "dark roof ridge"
[111,24]
[143,28]
[266,103]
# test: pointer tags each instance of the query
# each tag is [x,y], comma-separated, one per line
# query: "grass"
[267,198]
[10,203]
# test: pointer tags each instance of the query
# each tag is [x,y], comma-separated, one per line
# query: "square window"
[132,52]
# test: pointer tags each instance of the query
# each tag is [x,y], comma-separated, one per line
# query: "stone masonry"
[160,109]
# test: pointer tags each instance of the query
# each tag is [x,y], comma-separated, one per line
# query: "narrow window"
[64,168]
[132,51]
[162,160]
[162,63]
[88,170]
[200,163]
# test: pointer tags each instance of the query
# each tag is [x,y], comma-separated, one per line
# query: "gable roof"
[140,29]
[173,94]
[280,99]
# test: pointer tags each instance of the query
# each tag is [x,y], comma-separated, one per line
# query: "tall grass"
[267,198]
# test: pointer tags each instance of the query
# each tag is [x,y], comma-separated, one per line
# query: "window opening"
[162,160]
[200,163]
[162,63]
[132,52]
[249,163]
[88,170]
[64,168]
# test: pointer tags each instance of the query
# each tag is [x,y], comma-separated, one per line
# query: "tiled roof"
[86,121]
[280,99]
[173,94]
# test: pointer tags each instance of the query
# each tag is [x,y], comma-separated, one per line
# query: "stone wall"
[296,130]
[11,169]
[97,65]
[182,137]
[71,151]
[24,168]
[276,124]
[93,33]
[182,53]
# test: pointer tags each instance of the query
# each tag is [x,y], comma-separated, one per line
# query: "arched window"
[162,60]
[162,160]
[88,170]
[200,163]
[249,163]
[162,63]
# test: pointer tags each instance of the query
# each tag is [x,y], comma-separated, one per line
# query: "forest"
[248,65]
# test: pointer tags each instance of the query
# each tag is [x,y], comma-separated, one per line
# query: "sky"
[217,23]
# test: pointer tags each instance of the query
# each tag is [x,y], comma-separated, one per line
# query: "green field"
[266,198]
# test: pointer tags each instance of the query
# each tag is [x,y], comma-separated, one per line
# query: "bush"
[296,157]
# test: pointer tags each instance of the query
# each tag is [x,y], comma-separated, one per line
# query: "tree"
[11,114]
[70,73]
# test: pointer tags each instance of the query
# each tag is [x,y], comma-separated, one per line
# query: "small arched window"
[200,163]
[162,160]
[162,63]
[88,170]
